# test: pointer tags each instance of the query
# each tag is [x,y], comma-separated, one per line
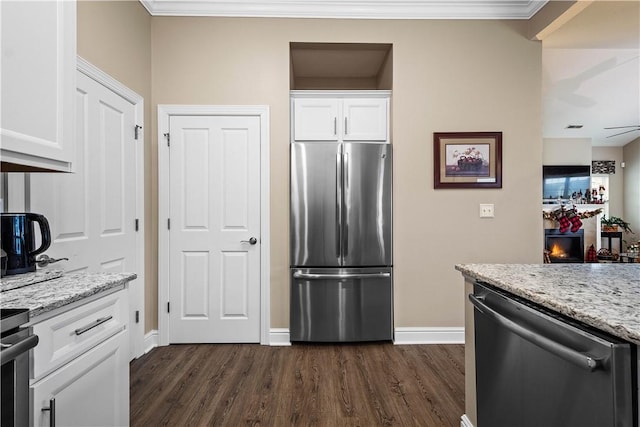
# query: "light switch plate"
[486,210]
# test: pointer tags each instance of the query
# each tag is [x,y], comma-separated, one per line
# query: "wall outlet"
[486,210]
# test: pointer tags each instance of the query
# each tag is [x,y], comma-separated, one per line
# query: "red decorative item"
[591,255]
[564,222]
[574,219]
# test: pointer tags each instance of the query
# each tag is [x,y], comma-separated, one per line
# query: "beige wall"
[616,180]
[447,76]
[115,36]
[631,154]
[566,151]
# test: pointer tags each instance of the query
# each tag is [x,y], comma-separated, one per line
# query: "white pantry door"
[214,234]
[92,212]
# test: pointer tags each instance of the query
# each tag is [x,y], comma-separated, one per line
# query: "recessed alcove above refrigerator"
[341,66]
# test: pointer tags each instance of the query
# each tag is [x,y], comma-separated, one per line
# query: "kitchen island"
[602,296]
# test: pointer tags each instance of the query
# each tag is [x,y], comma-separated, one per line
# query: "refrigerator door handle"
[345,230]
[339,204]
[570,355]
[312,276]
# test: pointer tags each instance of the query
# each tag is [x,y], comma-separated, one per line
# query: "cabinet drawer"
[68,335]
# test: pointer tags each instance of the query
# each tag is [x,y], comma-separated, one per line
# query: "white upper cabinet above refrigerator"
[38,48]
[365,119]
[315,119]
[354,116]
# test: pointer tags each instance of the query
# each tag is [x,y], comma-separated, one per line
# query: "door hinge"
[137,224]
[168,139]
[137,316]
[137,131]
[168,223]
[168,307]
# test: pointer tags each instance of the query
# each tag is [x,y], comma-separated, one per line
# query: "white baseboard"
[429,335]
[150,340]
[279,337]
[465,422]
[408,335]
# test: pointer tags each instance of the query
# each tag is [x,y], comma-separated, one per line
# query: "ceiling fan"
[630,129]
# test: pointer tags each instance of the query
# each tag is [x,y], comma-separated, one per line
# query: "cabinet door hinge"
[168,139]
[137,316]
[137,131]
[137,224]
[168,307]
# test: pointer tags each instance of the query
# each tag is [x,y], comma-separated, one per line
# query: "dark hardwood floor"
[324,385]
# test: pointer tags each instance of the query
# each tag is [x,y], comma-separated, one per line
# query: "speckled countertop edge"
[605,296]
[45,296]
[8,283]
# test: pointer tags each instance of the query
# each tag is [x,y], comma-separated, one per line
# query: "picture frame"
[467,160]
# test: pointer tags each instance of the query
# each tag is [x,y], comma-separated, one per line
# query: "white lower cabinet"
[92,388]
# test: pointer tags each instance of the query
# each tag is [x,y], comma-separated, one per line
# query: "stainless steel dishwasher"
[537,368]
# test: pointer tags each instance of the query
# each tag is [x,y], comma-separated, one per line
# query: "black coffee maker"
[19,240]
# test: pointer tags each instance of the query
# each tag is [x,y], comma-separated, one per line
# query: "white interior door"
[214,210]
[92,212]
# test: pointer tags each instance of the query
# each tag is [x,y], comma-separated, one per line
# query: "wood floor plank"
[374,384]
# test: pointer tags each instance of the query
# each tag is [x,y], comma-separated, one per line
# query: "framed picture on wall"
[467,159]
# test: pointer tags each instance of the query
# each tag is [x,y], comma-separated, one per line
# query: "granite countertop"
[45,296]
[605,296]
[19,280]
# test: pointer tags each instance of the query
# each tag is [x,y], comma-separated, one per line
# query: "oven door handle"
[323,276]
[570,355]
[11,351]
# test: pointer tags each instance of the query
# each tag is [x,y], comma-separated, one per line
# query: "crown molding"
[349,9]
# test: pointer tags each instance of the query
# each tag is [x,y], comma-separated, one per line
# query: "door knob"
[251,241]
[44,260]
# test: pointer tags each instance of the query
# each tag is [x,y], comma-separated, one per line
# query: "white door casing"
[213,186]
[93,212]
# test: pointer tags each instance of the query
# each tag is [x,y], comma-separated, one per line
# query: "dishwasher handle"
[300,275]
[573,356]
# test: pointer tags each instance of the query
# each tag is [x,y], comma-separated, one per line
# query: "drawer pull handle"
[98,322]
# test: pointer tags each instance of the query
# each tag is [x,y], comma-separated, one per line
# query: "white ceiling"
[591,74]
[591,71]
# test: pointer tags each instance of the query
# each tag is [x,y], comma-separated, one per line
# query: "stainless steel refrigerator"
[341,247]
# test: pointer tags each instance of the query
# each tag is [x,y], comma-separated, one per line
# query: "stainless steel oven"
[15,343]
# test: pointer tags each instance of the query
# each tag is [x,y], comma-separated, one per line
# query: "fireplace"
[564,247]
